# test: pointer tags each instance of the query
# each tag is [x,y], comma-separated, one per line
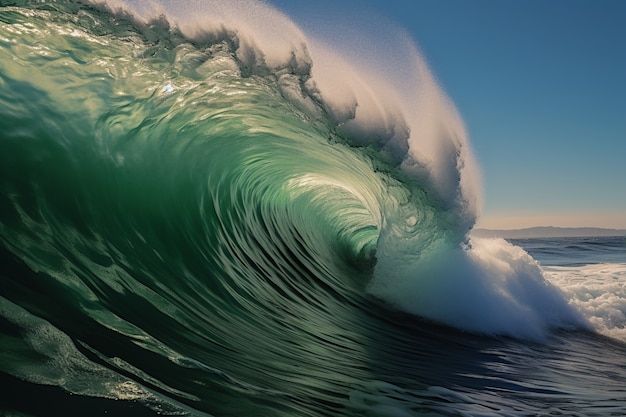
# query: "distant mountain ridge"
[549,231]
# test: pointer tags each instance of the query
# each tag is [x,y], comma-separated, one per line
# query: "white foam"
[597,291]
[489,287]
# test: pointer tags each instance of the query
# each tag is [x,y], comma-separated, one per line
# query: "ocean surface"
[206,211]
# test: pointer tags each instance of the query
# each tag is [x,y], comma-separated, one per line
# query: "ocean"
[205,211]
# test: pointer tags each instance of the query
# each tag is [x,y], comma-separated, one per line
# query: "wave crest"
[201,126]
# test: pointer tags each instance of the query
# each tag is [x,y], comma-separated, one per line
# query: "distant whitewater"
[205,211]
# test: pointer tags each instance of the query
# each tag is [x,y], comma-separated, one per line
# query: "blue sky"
[540,85]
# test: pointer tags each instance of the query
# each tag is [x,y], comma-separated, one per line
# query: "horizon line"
[551,227]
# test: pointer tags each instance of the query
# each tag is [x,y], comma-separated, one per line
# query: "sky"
[541,88]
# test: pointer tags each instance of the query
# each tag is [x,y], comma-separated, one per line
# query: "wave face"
[190,204]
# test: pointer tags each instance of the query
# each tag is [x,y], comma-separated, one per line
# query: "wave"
[213,127]
[201,197]
[188,184]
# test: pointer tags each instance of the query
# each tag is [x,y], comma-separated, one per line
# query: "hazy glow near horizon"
[602,220]
[539,85]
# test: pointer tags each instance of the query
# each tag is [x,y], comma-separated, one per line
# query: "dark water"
[575,251]
[190,227]
[376,363]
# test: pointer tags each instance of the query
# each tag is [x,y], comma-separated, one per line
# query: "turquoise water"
[191,225]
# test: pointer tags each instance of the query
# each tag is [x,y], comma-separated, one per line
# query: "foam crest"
[386,97]
[379,91]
